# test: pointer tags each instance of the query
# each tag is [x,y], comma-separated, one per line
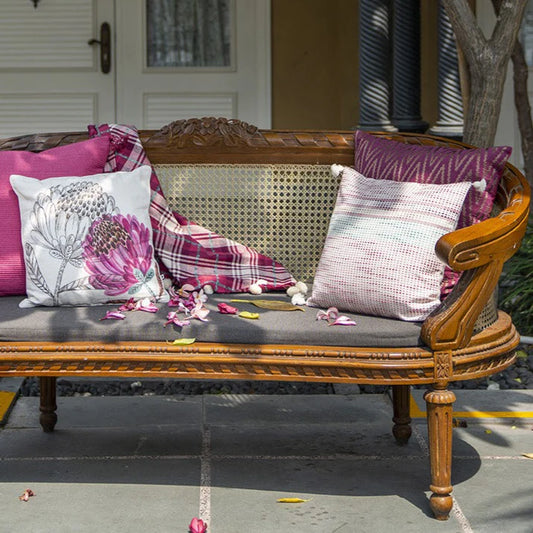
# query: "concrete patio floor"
[151,463]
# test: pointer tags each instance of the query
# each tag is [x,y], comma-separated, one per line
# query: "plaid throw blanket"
[190,253]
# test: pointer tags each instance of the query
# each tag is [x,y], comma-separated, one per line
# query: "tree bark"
[487,64]
[523,108]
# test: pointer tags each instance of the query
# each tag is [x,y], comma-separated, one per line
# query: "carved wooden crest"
[210,131]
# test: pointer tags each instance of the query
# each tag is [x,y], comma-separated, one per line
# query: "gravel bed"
[518,376]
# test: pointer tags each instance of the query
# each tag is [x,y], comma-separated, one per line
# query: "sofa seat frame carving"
[454,346]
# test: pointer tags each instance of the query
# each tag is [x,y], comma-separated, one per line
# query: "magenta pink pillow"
[78,159]
[391,160]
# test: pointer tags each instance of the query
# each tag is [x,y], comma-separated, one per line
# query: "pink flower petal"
[343,320]
[146,305]
[197,526]
[114,315]
[333,313]
[200,313]
[173,318]
[321,315]
[128,306]
[227,309]
[28,493]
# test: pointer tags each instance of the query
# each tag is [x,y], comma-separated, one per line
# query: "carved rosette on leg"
[439,403]
[48,405]
[402,419]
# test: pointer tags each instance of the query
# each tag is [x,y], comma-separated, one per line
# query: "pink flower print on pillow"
[118,255]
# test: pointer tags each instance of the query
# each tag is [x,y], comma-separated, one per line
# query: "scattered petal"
[182,342]
[343,320]
[227,309]
[146,305]
[200,313]
[291,500]
[114,315]
[28,493]
[321,315]
[197,526]
[128,306]
[208,289]
[331,314]
[173,318]
[251,316]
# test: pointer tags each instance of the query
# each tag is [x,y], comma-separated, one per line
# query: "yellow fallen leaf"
[181,342]
[291,500]
[251,316]
[528,455]
[274,305]
[488,431]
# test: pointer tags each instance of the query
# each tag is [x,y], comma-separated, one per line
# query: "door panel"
[50,77]
[151,96]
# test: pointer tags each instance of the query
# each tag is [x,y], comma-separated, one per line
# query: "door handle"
[105,47]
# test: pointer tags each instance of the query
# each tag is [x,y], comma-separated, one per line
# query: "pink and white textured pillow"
[390,160]
[87,240]
[80,159]
[379,255]
[192,254]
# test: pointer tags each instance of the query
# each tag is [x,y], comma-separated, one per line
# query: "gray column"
[450,103]
[406,66]
[374,65]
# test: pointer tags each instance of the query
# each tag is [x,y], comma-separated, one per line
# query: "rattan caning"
[283,211]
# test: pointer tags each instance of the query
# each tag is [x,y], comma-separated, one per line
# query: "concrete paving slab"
[102,442]
[499,497]
[309,409]
[112,411]
[472,404]
[311,439]
[489,439]
[136,496]
[344,496]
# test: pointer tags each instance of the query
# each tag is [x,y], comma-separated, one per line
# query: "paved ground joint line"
[461,518]
[205,470]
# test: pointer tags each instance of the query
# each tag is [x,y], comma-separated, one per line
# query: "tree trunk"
[487,64]
[521,99]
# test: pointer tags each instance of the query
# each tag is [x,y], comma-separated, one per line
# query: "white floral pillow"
[88,240]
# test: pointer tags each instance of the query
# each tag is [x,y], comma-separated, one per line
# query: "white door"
[165,63]
[50,77]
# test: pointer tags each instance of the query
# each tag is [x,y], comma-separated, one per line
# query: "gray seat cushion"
[66,324]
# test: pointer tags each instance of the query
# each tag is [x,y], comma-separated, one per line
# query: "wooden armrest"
[479,251]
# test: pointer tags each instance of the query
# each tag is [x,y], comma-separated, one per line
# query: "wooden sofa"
[284,212]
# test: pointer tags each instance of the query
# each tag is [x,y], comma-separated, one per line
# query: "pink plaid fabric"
[191,254]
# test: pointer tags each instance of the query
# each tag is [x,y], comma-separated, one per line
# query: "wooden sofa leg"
[48,405]
[402,419]
[439,402]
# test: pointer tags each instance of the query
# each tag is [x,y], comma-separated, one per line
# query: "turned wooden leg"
[48,405]
[402,419]
[439,402]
